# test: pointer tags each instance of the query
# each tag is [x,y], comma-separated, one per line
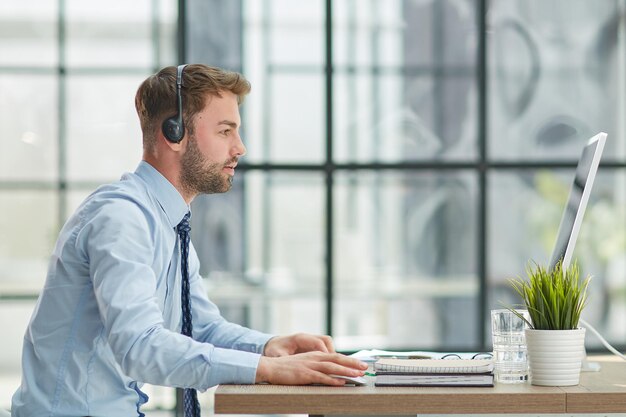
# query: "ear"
[176,147]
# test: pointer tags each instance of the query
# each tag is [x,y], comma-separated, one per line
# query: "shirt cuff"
[255,342]
[230,366]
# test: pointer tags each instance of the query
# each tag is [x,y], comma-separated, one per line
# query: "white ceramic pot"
[555,356]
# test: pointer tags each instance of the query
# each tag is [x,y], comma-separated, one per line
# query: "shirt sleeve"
[117,241]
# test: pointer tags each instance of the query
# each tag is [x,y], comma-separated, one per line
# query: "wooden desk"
[598,392]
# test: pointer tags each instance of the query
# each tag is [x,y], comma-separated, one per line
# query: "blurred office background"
[405,157]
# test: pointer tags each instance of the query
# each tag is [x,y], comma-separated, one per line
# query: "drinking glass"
[509,346]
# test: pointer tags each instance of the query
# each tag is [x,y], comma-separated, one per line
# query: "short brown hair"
[155,100]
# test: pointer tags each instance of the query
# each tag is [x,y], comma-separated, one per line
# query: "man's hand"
[298,343]
[308,368]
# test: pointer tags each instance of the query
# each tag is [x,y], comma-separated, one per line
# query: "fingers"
[354,366]
[308,368]
[315,343]
[335,363]
[325,379]
[346,361]
[328,342]
[310,343]
[332,368]
[298,343]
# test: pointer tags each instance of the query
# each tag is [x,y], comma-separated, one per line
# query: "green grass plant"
[554,298]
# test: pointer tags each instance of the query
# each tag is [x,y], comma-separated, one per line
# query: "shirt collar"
[172,203]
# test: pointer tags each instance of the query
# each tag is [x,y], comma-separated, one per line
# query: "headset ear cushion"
[172,130]
[174,127]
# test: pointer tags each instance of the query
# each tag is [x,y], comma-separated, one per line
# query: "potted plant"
[555,300]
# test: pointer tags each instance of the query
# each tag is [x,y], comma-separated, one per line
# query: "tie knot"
[183,226]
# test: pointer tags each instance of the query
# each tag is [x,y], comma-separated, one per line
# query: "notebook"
[433,366]
[434,372]
[434,380]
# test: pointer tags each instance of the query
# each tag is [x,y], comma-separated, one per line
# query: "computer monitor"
[577,201]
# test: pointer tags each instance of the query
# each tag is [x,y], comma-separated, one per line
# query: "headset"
[174,128]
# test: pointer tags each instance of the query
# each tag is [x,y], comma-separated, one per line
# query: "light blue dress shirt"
[109,316]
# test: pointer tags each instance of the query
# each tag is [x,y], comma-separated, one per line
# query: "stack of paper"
[434,372]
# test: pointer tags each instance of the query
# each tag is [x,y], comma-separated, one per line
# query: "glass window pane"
[404,81]
[261,250]
[373,122]
[117,33]
[29,139]
[525,209]
[368,33]
[554,83]
[287,124]
[167,11]
[444,32]
[29,229]
[296,32]
[283,50]
[394,118]
[405,246]
[415,34]
[103,133]
[213,33]
[28,30]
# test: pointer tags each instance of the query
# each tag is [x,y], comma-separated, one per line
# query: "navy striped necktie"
[190,396]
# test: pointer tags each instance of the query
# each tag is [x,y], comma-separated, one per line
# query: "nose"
[240,148]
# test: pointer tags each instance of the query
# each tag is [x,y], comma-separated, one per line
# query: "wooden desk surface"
[598,392]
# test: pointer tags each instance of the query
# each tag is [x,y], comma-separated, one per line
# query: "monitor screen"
[577,201]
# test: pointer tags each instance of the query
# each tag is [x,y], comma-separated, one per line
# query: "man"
[123,281]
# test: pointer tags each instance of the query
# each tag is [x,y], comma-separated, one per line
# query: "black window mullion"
[62,116]
[482,172]
[181,36]
[328,72]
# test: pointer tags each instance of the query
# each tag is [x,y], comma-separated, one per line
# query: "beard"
[200,176]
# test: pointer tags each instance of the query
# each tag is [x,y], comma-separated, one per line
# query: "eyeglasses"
[479,355]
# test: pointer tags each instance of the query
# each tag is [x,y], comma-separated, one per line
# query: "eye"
[225,132]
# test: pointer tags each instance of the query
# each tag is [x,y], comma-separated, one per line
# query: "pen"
[370,373]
